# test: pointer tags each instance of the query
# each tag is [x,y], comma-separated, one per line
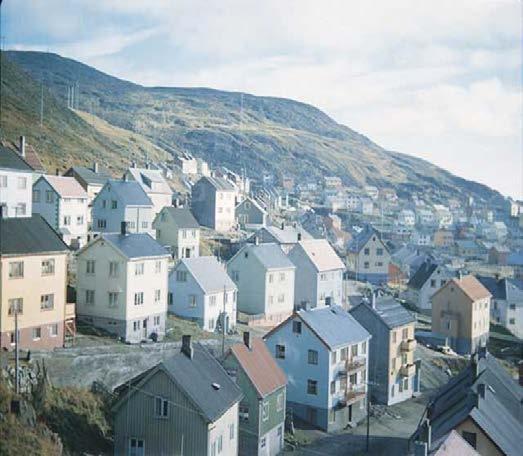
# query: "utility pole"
[42,102]
[368,423]
[223,320]
[17,352]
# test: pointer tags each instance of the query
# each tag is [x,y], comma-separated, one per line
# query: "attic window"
[216,386]
[374,238]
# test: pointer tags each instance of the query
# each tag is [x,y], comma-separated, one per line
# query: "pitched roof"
[454,444]
[27,235]
[388,310]
[270,255]
[321,254]
[219,183]
[130,193]
[259,365]
[209,273]
[255,203]
[31,156]
[135,245]
[143,175]
[89,176]
[66,187]
[360,239]
[287,235]
[334,326]
[472,287]
[183,217]
[423,274]
[9,159]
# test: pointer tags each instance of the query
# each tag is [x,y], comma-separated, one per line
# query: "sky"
[440,80]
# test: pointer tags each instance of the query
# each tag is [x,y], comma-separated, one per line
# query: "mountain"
[243,131]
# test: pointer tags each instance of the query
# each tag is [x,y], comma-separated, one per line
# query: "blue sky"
[439,80]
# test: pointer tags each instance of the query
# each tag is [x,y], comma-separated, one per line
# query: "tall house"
[122,285]
[250,214]
[319,274]
[461,312]
[64,204]
[154,185]
[213,203]
[15,184]
[185,405]
[323,352]
[265,277]
[178,229]
[393,373]
[122,201]
[33,280]
[368,257]
[263,384]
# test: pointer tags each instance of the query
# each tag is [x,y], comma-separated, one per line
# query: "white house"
[201,290]
[428,279]
[319,274]
[186,162]
[153,184]
[123,201]
[425,216]
[122,285]
[286,236]
[15,184]
[213,203]
[407,217]
[443,216]
[422,237]
[63,203]
[265,280]
[324,354]
[177,228]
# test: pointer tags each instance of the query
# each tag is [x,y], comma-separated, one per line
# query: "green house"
[262,410]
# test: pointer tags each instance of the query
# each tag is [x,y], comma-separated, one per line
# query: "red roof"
[259,366]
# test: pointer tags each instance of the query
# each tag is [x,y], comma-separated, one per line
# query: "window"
[156,321]
[344,354]
[212,300]
[49,196]
[511,321]
[393,337]
[80,220]
[16,304]
[366,251]
[231,431]
[136,447]
[53,330]
[213,448]
[138,298]
[333,387]
[136,325]
[323,277]
[16,269]
[211,323]
[113,268]
[114,204]
[263,442]
[405,333]
[366,265]
[271,277]
[113,299]
[181,276]
[47,267]
[102,223]
[354,350]
[145,224]
[379,252]
[192,300]
[364,348]
[296,327]
[89,266]
[170,299]
[67,220]
[22,183]
[236,276]
[47,302]
[131,225]
[432,283]
[157,296]
[3,181]
[184,234]
[332,415]
[21,209]
[220,444]
[279,402]
[470,437]
[280,351]
[138,269]
[37,333]
[312,387]
[244,412]
[89,297]
[313,357]
[512,306]
[104,204]
[392,390]
[265,411]
[334,357]
[282,276]
[157,266]
[161,407]
[281,298]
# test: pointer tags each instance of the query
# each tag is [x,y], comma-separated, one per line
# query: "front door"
[187,253]
[145,328]
[312,415]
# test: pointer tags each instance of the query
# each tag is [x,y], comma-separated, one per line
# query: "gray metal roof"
[130,193]
[136,245]
[183,217]
[423,274]
[89,176]
[388,310]
[334,326]
[270,255]
[26,235]
[9,159]
[219,183]
[503,289]
[287,235]
[209,273]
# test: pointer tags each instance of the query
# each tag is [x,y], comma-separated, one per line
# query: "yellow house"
[461,312]
[33,280]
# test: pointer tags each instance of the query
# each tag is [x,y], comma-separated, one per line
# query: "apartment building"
[153,184]
[213,203]
[177,228]
[15,184]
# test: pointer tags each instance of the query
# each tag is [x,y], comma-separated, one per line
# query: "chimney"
[133,164]
[147,165]
[187,349]
[95,167]
[299,237]
[373,300]
[482,389]
[57,171]
[247,339]
[123,228]
[21,147]
[256,240]
[282,225]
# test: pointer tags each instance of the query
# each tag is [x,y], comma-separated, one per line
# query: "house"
[506,307]
[425,216]
[422,238]
[407,217]
[393,372]
[483,404]
[287,236]
[265,280]
[122,201]
[372,192]
[515,261]
[186,405]
[428,279]
[122,285]
[323,352]
[443,216]
[33,279]
[469,249]
[250,214]
[366,206]
[92,179]
[498,254]
[186,162]
[368,257]
[15,184]
[443,238]
[178,229]
[404,263]
[200,290]
[318,278]
[461,312]
[64,205]
[263,384]
[28,153]
[213,203]
[154,185]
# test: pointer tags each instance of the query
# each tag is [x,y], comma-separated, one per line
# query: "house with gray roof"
[91,178]
[250,214]
[177,228]
[324,354]
[15,184]
[122,201]
[213,201]
[482,403]
[186,405]
[122,285]
[201,290]
[264,276]
[286,236]
[393,371]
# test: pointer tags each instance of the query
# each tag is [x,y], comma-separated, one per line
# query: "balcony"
[355,364]
[408,345]
[70,311]
[355,394]
[408,370]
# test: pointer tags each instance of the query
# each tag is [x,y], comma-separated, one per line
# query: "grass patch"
[177,327]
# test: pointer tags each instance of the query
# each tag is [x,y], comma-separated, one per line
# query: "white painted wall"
[15,193]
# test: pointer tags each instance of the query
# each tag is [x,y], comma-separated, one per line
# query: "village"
[255,314]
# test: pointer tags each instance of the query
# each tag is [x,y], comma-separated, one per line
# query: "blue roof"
[390,311]
[270,255]
[334,326]
[136,245]
[130,193]
[360,239]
